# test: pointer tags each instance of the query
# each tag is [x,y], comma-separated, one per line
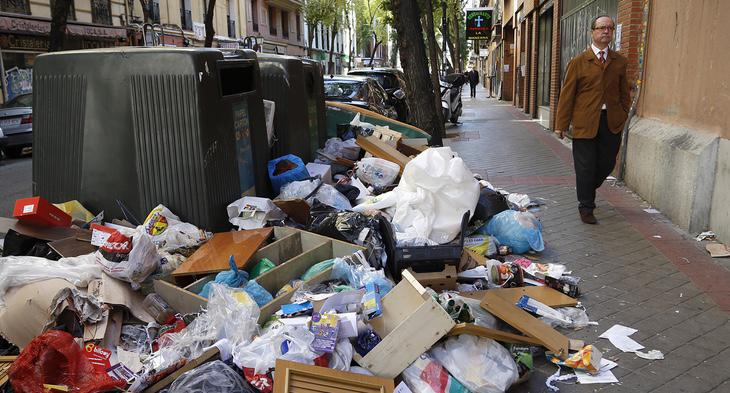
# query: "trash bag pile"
[398,266]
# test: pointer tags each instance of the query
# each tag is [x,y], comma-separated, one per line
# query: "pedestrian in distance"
[595,99]
[473,76]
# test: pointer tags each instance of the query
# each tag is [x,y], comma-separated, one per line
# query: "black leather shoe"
[587,217]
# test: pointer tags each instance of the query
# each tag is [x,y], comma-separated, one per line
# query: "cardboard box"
[324,171]
[39,211]
[438,281]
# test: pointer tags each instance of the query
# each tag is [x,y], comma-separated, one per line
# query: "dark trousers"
[473,90]
[594,160]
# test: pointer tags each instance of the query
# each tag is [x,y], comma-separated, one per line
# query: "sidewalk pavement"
[637,269]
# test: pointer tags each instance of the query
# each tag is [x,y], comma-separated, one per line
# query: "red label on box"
[98,356]
[39,211]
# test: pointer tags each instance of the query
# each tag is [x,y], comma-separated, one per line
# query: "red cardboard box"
[39,211]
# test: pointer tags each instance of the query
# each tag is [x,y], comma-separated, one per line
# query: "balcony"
[231,27]
[186,19]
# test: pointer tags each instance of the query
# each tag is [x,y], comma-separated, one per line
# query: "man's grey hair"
[593,23]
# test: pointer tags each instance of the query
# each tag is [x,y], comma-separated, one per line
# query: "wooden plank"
[276,278]
[281,250]
[181,300]
[526,323]
[418,332]
[499,335]
[398,304]
[209,355]
[380,149]
[409,148]
[212,257]
[325,380]
[352,108]
[71,247]
[544,295]
[275,305]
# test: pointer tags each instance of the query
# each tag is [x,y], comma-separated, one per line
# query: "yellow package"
[588,359]
[76,210]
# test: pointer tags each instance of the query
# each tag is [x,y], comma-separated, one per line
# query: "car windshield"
[20,101]
[350,90]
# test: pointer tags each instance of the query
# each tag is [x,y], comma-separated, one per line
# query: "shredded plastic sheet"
[261,354]
[18,271]
[214,376]
[550,382]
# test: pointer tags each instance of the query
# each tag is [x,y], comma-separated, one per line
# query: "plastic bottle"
[158,308]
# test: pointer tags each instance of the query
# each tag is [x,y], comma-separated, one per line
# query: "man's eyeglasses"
[606,28]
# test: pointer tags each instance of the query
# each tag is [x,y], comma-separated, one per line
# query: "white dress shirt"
[597,51]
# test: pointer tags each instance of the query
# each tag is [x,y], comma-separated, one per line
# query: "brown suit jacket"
[588,85]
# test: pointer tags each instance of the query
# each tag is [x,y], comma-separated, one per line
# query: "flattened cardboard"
[297,209]
[526,323]
[27,310]
[71,247]
[212,257]
[291,377]
[718,250]
[380,149]
[499,335]
[115,292]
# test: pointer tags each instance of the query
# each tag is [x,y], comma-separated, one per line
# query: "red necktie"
[601,58]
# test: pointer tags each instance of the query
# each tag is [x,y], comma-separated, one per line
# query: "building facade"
[678,146]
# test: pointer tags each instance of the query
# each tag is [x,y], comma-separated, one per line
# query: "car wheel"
[14,151]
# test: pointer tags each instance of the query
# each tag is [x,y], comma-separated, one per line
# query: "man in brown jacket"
[595,98]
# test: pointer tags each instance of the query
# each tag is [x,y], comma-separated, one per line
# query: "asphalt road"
[16,177]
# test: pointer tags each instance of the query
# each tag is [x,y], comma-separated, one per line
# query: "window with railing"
[101,12]
[285,24]
[231,27]
[71,10]
[272,20]
[186,15]
[255,15]
[299,26]
[155,11]
[15,6]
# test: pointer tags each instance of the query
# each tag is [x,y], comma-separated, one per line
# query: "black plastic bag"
[490,204]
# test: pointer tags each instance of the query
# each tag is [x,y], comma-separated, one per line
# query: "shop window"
[15,6]
[101,12]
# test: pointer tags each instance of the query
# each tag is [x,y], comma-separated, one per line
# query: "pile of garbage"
[382,258]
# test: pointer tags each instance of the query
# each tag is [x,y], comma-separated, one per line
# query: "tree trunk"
[331,63]
[59,17]
[310,29]
[421,97]
[372,53]
[209,32]
[433,49]
[458,64]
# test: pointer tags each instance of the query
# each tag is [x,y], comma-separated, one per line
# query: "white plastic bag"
[435,191]
[214,376]
[342,356]
[141,261]
[326,194]
[168,232]
[261,354]
[377,171]
[19,271]
[426,375]
[253,212]
[489,366]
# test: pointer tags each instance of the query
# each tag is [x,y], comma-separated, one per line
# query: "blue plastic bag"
[520,230]
[296,174]
[260,295]
[233,278]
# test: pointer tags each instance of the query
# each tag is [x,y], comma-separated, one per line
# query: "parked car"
[16,121]
[394,83]
[360,91]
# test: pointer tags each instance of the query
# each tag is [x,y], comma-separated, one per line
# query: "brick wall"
[630,13]
[533,65]
[555,80]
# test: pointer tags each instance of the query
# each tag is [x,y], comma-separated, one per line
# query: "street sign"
[478,23]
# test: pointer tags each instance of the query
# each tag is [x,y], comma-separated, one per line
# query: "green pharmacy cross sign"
[478,23]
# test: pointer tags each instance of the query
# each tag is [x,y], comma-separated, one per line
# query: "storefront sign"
[96,31]
[24,25]
[478,23]
[228,45]
[24,42]
[199,30]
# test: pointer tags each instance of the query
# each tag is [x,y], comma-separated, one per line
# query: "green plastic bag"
[262,267]
[318,268]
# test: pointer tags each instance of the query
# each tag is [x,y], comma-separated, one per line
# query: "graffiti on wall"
[18,81]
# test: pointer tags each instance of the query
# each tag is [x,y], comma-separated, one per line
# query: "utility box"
[136,127]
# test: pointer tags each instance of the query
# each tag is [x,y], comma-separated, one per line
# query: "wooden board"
[207,356]
[71,247]
[380,149]
[212,257]
[499,335]
[544,295]
[409,148]
[292,377]
[276,278]
[412,322]
[5,363]
[526,323]
[181,300]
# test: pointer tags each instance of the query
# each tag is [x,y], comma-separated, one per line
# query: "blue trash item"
[296,174]
[260,295]
[233,278]
[520,230]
